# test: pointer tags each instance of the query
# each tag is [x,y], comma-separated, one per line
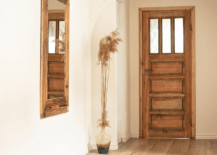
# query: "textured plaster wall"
[22,132]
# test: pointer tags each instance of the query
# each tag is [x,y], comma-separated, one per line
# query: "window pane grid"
[167,35]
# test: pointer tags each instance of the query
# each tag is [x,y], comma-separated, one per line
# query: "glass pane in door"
[154,36]
[179,35]
[166,35]
[51,36]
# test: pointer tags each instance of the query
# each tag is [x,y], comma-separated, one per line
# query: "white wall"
[206,56]
[123,72]
[105,23]
[22,132]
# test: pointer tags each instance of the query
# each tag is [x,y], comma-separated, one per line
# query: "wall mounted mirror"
[54,57]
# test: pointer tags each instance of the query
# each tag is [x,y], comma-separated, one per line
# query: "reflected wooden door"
[166,43]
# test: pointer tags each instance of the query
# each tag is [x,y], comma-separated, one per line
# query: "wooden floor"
[165,147]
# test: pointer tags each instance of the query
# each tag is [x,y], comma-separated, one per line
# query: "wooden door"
[166,49]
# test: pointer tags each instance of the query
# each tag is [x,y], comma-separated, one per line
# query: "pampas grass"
[107,46]
[60,44]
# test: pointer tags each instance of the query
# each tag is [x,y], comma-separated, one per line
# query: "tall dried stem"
[107,45]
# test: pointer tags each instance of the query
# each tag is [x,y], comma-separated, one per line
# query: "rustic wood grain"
[56,76]
[63,1]
[56,11]
[166,95]
[177,8]
[167,112]
[180,146]
[60,16]
[66,60]
[166,68]
[172,77]
[157,14]
[145,49]
[161,147]
[167,57]
[166,121]
[188,72]
[211,147]
[44,57]
[55,67]
[193,104]
[55,57]
[140,76]
[167,103]
[52,112]
[160,35]
[173,34]
[55,84]
[164,147]
[166,86]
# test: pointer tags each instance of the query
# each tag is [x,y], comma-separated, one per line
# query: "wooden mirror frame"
[44,61]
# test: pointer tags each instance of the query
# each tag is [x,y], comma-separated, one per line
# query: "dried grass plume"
[107,46]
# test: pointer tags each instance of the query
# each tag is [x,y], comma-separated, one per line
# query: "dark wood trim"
[172,36]
[188,72]
[60,16]
[56,11]
[193,74]
[140,76]
[146,49]
[154,14]
[160,35]
[44,56]
[66,60]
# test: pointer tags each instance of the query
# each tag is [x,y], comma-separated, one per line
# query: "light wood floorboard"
[165,147]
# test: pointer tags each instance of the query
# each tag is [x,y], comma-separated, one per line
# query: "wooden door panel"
[166,103]
[166,68]
[55,84]
[167,133]
[54,96]
[166,57]
[55,68]
[166,122]
[166,86]
[55,57]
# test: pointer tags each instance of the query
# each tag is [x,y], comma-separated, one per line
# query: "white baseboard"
[84,152]
[134,135]
[206,136]
[112,147]
[125,139]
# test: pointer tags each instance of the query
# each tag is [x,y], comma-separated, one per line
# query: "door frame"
[141,97]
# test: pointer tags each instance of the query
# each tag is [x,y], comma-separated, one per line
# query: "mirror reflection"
[56,25]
